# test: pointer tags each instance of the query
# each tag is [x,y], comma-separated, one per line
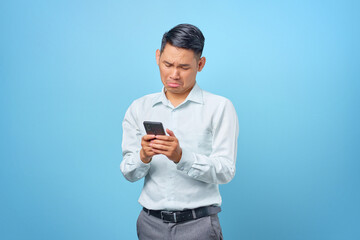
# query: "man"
[182,170]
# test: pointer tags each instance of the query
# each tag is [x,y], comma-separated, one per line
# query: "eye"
[185,68]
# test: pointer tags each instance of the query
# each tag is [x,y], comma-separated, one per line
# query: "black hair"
[184,36]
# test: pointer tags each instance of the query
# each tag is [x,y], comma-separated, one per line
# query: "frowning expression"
[178,68]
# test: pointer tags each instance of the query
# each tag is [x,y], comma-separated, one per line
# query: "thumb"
[171,133]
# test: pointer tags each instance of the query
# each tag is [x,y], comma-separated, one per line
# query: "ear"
[201,63]
[157,56]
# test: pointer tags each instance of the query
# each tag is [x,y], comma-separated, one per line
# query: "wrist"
[179,157]
[143,158]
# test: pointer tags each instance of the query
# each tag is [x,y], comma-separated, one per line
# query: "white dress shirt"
[206,126]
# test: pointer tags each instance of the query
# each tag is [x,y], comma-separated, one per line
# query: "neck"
[177,98]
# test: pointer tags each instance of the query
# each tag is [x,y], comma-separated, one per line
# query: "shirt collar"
[195,95]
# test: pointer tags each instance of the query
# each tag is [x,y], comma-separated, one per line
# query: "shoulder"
[145,100]
[215,100]
[219,108]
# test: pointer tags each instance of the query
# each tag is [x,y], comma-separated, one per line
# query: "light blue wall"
[70,69]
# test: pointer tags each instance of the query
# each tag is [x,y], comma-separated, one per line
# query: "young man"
[183,169]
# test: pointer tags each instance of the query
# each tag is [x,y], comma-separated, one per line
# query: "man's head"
[185,36]
[179,58]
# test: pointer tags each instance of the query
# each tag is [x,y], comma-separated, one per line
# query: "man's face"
[178,69]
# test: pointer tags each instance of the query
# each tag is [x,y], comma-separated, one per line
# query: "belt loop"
[193,213]
[174,214]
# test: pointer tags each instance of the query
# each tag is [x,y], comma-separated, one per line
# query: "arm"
[131,166]
[219,167]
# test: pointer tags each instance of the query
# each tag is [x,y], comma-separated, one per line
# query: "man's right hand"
[146,152]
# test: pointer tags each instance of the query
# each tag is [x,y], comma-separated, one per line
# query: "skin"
[178,69]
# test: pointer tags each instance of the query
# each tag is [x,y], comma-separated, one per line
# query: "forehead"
[177,54]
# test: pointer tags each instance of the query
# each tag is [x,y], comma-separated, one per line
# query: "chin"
[174,90]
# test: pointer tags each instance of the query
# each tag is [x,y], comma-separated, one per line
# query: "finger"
[162,142]
[171,133]
[148,137]
[159,147]
[149,151]
[145,143]
[164,137]
[158,151]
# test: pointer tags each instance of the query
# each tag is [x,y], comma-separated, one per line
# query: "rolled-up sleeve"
[219,167]
[131,166]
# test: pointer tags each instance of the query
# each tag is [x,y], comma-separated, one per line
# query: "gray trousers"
[152,228]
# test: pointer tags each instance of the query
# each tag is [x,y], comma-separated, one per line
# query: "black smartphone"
[154,128]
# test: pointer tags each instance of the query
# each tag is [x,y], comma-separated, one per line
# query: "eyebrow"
[167,62]
[181,65]
[184,65]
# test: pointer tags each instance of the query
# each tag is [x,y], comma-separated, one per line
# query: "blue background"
[70,69]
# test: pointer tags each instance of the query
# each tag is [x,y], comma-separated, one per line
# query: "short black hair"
[184,36]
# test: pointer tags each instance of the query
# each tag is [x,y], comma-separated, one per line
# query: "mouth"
[173,85]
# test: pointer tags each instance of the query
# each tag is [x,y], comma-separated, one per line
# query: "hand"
[167,145]
[146,152]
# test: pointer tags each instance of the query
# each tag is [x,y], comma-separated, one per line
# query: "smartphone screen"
[154,128]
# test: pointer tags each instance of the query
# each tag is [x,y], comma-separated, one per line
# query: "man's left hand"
[167,145]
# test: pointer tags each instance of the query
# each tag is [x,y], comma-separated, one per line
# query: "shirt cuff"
[186,161]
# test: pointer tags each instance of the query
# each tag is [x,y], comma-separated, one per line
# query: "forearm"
[133,168]
[209,169]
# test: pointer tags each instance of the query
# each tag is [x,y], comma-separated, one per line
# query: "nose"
[175,74]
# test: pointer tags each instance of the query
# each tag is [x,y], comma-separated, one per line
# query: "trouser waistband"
[185,215]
